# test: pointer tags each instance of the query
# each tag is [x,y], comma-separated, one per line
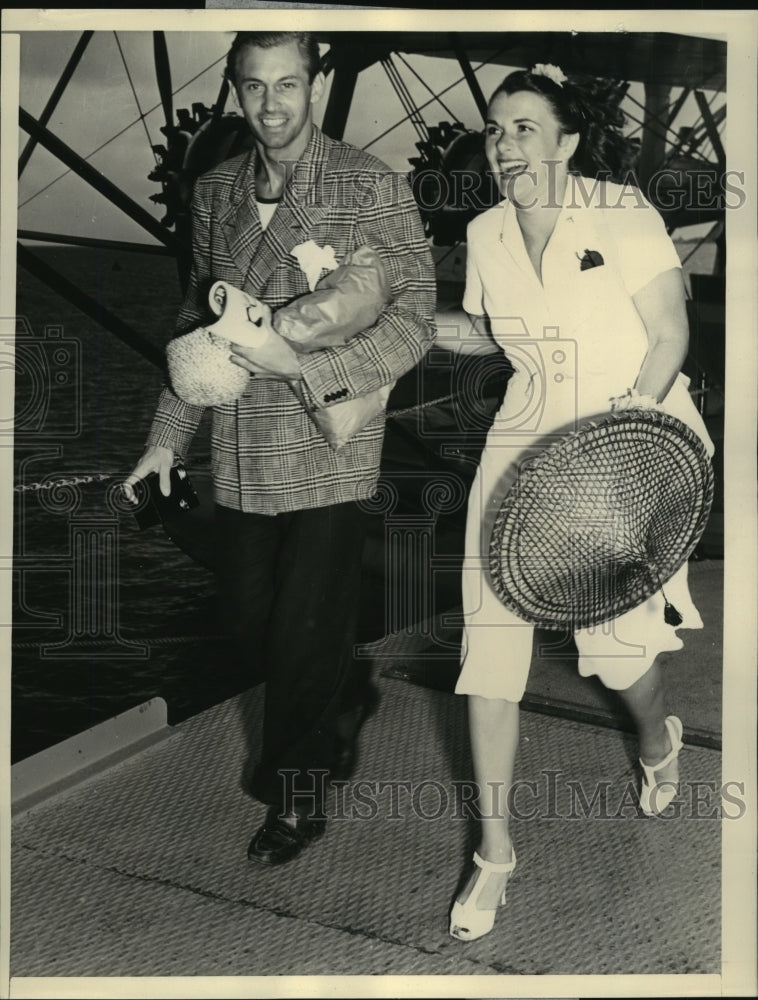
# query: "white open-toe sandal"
[467,921]
[656,795]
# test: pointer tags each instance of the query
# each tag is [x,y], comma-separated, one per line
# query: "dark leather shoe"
[278,841]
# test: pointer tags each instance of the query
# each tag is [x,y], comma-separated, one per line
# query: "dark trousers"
[289,589]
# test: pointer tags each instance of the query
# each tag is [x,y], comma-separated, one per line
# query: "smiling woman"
[523,139]
[536,122]
[588,331]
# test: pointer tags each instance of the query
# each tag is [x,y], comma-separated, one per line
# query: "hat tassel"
[670,615]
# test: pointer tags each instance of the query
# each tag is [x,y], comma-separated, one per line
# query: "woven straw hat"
[600,520]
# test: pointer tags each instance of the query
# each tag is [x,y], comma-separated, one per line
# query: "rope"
[461,79]
[696,154]
[171,640]
[426,85]
[142,116]
[700,242]
[119,133]
[447,253]
[406,100]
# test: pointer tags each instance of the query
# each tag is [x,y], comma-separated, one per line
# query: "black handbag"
[154,508]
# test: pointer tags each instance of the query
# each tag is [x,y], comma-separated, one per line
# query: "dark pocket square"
[591,258]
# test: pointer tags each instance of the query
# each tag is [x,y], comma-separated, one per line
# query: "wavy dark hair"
[306,42]
[590,106]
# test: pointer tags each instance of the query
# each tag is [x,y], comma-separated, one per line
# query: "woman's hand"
[633,400]
[662,307]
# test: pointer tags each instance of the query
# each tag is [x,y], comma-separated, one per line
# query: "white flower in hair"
[554,73]
[314,259]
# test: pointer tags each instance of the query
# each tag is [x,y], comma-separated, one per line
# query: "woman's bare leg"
[645,703]
[494,735]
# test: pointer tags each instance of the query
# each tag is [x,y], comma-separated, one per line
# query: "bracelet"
[632,399]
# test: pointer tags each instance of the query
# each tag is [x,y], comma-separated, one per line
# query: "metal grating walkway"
[141,870]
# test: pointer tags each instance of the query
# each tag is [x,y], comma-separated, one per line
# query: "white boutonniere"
[554,73]
[314,259]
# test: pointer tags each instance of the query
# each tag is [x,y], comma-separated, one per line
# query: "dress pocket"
[592,275]
[598,293]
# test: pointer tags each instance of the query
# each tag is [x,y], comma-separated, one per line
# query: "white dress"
[575,341]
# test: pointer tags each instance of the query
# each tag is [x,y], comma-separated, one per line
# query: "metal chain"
[75,481]
[420,406]
[102,477]
[98,477]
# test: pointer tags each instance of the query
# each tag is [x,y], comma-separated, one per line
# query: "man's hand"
[255,329]
[154,459]
[274,358]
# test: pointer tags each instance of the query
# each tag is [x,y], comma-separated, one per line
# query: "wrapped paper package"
[345,302]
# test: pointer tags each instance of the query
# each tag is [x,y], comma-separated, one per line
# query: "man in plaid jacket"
[290,527]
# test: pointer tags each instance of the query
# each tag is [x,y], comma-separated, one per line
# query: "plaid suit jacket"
[267,455]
